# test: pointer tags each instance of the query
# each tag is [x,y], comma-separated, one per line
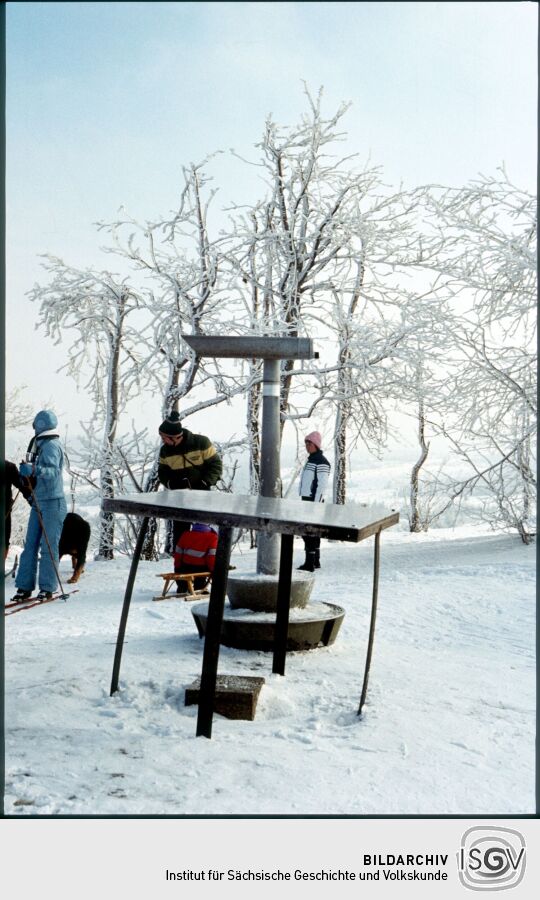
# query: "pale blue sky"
[106,101]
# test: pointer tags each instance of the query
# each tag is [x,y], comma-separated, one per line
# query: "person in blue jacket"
[43,471]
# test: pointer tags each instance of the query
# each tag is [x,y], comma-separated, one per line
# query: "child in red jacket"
[195,552]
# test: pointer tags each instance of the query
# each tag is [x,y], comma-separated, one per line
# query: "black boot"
[309,565]
[317,559]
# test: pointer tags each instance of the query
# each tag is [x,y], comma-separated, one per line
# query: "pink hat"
[315,438]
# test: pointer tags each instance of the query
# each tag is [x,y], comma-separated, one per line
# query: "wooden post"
[127,600]
[213,633]
[283,604]
[373,617]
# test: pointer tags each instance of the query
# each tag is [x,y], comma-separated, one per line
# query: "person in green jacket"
[187,461]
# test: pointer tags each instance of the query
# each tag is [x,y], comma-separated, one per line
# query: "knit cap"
[171,425]
[45,420]
[315,438]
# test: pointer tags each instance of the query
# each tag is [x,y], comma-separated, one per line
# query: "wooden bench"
[171,578]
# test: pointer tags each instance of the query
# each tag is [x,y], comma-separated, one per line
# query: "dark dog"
[74,540]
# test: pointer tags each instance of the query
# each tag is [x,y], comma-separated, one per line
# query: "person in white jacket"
[313,482]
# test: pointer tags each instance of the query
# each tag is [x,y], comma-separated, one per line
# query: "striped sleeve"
[323,473]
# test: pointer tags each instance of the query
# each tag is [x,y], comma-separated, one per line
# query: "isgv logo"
[491,859]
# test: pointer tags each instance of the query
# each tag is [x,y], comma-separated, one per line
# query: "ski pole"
[6,550]
[13,570]
[12,504]
[63,595]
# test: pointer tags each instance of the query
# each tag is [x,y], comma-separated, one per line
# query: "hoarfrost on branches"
[420,301]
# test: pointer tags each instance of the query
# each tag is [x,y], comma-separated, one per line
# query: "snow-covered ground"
[448,725]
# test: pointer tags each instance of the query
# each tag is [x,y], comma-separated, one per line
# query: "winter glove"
[28,484]
[26,469]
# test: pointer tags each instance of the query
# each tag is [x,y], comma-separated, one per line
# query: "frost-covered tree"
[303,244]
[492,428]
[184,291]
[18,411]
[308,217]
[419,369]
[365,310]
[181,286]
[483,244]
[103,356]
[355,387]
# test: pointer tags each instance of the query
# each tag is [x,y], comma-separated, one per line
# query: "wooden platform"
[172,578]
[236,695]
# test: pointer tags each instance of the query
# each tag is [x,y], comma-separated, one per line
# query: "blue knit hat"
[45,420]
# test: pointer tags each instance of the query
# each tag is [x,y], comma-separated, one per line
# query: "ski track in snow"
[448,726]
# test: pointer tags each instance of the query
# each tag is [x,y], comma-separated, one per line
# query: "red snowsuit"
[196,552]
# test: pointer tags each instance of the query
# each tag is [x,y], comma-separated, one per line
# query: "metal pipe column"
[268,546]
[127,601]
[374,597]
[214,623]
[283,604]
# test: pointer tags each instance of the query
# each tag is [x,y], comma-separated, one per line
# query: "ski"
[14,606]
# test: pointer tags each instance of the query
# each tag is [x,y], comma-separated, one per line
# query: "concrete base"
[259,592]
[315,626]
[236,695]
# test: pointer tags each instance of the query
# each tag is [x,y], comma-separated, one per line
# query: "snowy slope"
[448,725]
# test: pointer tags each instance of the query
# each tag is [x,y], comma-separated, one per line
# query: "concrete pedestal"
[258,592]
[314,626]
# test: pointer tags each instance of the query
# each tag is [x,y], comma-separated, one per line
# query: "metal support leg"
[127,600]
[373,617]
[214,622]
[270,485]
[283,604]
